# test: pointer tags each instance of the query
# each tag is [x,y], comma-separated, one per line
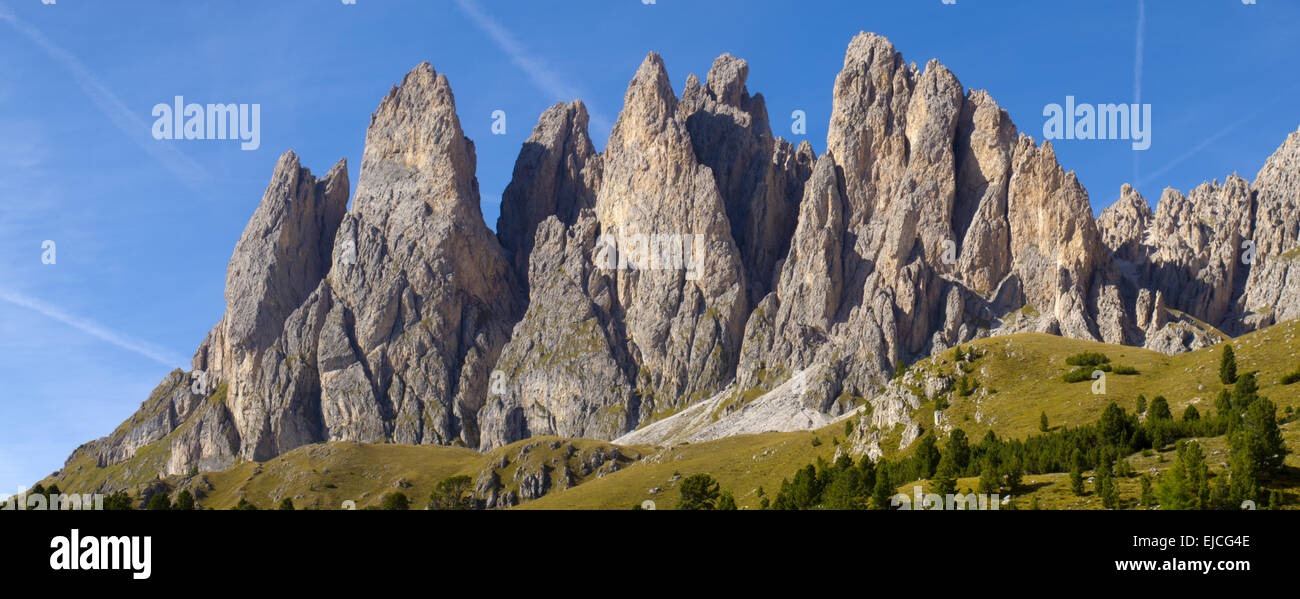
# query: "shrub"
[966,385]
[1079,375]
[453,493]
[159,502]
[1087,359]
[699,492]
[395,502]
[184,501]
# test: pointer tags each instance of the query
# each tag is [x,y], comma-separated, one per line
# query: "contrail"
[1141,46]
[1196,150]
[1137,69]
[188,171]
[541,75]
[147,350]
[1286,94]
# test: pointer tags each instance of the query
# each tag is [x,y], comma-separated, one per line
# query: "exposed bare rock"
[926,224]
[424,311]
[794,405]
[1272,292]
[566,370]
[557,174]
[760,178]
[277,264]
[985,141]
[683,322]
[1125,226]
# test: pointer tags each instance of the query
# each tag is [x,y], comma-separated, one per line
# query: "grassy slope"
[741,464]
[1023,373]
[1026,370]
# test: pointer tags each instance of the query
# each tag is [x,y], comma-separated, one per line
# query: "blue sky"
[144,228]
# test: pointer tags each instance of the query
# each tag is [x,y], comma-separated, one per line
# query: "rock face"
[419,318]
[638,300]
[697,266]
[927,221]
[1220,255]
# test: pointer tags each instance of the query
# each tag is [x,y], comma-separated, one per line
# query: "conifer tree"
[184,501]
[700,492]
[945,479]
[1228,366]
[159,502]
[990,482]
[1159,409]
[1076,473]
[1148,495]
[883,492]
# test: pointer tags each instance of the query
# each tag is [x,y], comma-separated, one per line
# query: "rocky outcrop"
[1217,255]
[537,468]
[760,177]
[926,223]
[637,306]
[556,175]
[1272,291]
[566,370]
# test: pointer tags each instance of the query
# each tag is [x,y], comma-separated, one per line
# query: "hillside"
[1018,377]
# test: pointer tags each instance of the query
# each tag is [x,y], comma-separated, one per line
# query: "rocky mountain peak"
[649,104]
[282,255]
[1124,225]
[415,142]
[726,80]
[557,174]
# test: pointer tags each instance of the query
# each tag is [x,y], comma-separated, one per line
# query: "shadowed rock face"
[557,174]
[697,258]
[1221,253]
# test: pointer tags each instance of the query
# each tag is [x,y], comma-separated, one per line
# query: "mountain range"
[700,277]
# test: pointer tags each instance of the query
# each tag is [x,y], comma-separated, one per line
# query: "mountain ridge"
[929,222]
